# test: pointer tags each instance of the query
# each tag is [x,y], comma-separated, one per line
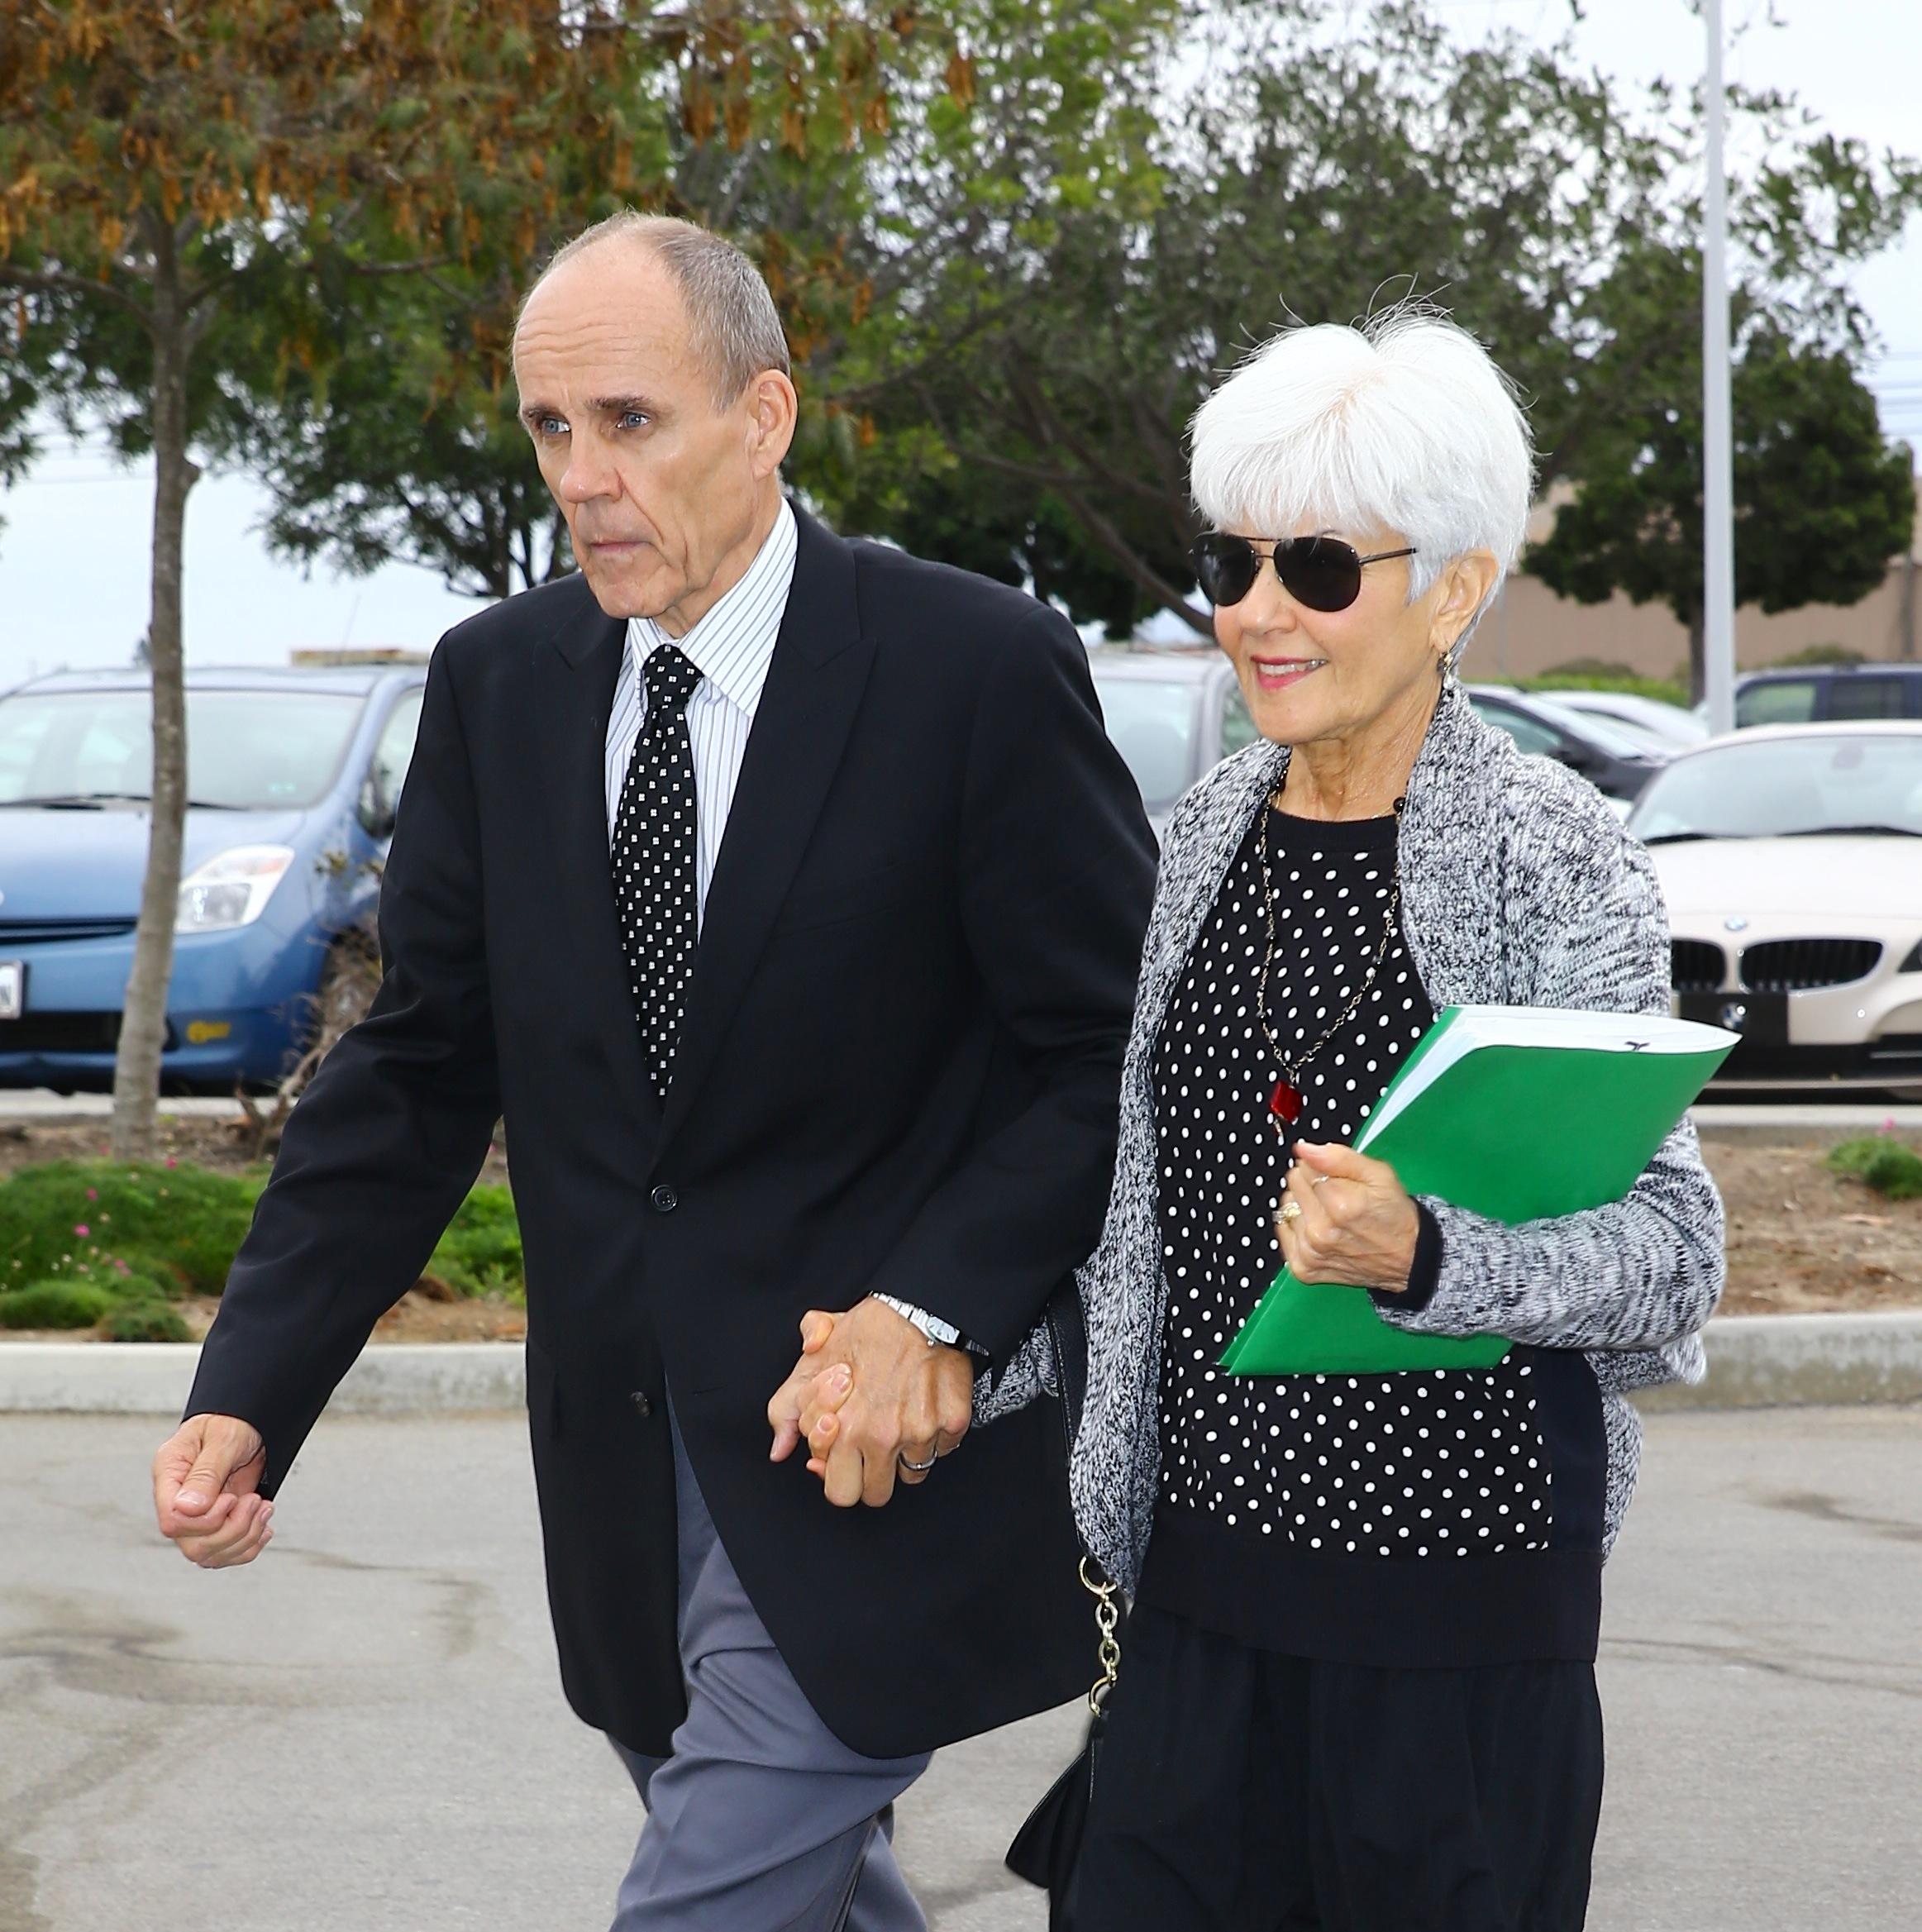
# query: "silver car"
[1174,711]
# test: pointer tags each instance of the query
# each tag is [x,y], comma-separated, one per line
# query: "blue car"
[292,777]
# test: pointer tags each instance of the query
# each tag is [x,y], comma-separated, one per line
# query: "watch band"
[930,1326]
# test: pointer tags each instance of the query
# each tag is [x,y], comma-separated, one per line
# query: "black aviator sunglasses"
[1321,572]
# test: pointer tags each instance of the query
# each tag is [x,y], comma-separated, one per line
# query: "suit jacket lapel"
[577,693]
[814,689]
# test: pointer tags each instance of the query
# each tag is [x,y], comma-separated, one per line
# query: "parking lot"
[364,1733]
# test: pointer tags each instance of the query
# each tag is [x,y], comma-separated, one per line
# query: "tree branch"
[420,266]
[65,283]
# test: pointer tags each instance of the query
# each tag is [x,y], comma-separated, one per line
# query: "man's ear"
[774,407]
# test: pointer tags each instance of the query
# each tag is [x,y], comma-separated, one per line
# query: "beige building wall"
[1530,630]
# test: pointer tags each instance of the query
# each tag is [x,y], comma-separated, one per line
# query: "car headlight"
[232,890]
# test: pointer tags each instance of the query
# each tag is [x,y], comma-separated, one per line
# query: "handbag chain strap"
[1108,1645]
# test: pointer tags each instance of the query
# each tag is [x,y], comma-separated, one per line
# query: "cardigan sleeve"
[1584,926]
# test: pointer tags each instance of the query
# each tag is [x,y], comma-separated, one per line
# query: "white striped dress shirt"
[732,647]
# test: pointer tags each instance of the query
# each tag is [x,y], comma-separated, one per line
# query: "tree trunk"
[1698,657]
[143,1026]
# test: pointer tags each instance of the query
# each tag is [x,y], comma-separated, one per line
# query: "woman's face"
[1311,674]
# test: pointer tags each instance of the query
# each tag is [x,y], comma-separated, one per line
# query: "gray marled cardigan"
[1518,888]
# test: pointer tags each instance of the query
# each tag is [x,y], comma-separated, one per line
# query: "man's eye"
[550,425]
[632,418]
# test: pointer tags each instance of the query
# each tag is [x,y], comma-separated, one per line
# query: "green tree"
[1822,499]
[403,442]
[183,184]
[1032,400]
[854,151]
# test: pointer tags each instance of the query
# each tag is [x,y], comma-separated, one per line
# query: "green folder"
[1518,1113]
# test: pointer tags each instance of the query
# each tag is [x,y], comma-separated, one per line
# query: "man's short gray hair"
[1403,423]
[734,320]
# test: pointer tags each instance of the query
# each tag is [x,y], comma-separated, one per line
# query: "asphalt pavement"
[364,1733]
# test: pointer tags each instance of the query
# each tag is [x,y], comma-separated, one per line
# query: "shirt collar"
[733,645]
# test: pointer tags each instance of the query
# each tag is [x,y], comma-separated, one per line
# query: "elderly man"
[786,896]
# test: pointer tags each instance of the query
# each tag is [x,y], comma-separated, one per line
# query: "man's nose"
[589,473]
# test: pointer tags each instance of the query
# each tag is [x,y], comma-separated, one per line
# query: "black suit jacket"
[897,1072]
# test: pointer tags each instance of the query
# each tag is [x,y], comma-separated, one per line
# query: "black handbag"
[1048,1844]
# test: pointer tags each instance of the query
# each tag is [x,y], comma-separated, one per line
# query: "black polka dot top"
[1284,1496]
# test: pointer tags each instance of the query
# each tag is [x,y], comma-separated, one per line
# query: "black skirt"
[1242,1789]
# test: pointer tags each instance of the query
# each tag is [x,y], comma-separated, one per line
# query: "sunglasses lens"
[1225,567]
[1320,572]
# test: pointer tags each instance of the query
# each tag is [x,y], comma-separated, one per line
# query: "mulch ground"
[1800,1239]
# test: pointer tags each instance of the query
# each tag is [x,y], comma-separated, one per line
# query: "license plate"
[1762,1019]
[13,988]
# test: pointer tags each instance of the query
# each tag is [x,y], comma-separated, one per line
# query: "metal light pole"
[1717,433]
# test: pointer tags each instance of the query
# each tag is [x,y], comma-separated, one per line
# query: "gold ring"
[1290,1211]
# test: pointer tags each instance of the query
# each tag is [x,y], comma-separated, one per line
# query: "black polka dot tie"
[655,894]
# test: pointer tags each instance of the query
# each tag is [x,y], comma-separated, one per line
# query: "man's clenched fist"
[206,1480]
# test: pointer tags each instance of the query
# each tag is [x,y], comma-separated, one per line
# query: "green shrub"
[1823,654]
[149,1233]
[481,1253]
[147,1321]
[179,1225]
[1887,1166]
[54,1304]
[1607,678]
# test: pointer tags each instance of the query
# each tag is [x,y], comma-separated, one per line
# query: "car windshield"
[1612,735]
[1776,788]
[1152,721]
[1660,728]
[247,750]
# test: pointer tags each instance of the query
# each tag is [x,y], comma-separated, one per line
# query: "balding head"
[653,381]
[731,315]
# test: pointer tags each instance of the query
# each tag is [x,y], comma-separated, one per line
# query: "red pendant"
[1285,1101]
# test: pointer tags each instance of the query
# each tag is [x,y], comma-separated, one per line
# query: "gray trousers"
[761,1820]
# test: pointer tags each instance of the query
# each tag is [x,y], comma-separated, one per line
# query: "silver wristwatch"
[930,1326]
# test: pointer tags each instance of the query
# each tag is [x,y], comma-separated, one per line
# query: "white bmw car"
[1792,860]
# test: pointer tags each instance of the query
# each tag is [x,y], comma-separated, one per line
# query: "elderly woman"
[1357,1689]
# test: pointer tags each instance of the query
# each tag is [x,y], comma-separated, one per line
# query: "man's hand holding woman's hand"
[870,1394]
[207,1482]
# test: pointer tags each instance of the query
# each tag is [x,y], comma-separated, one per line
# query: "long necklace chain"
[1288,1089]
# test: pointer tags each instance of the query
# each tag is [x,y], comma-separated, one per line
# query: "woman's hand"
[1357,1225]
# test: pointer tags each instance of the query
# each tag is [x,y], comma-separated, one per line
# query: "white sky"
[74,551]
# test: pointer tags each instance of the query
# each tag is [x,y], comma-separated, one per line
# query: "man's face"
[661,488]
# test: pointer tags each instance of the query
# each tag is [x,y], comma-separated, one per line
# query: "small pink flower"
[173,1163]
[92,1193]
[80,1227]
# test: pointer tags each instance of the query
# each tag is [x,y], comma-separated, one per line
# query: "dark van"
[1829,695]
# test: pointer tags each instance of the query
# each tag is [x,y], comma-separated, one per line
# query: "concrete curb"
[1770,1360]
[1799,1361]
[391,1378]
[1735,1123]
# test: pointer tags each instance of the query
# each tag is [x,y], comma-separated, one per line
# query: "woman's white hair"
[1402,424]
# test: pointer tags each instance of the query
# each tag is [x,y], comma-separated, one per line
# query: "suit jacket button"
[642,1406]
[664,1200]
